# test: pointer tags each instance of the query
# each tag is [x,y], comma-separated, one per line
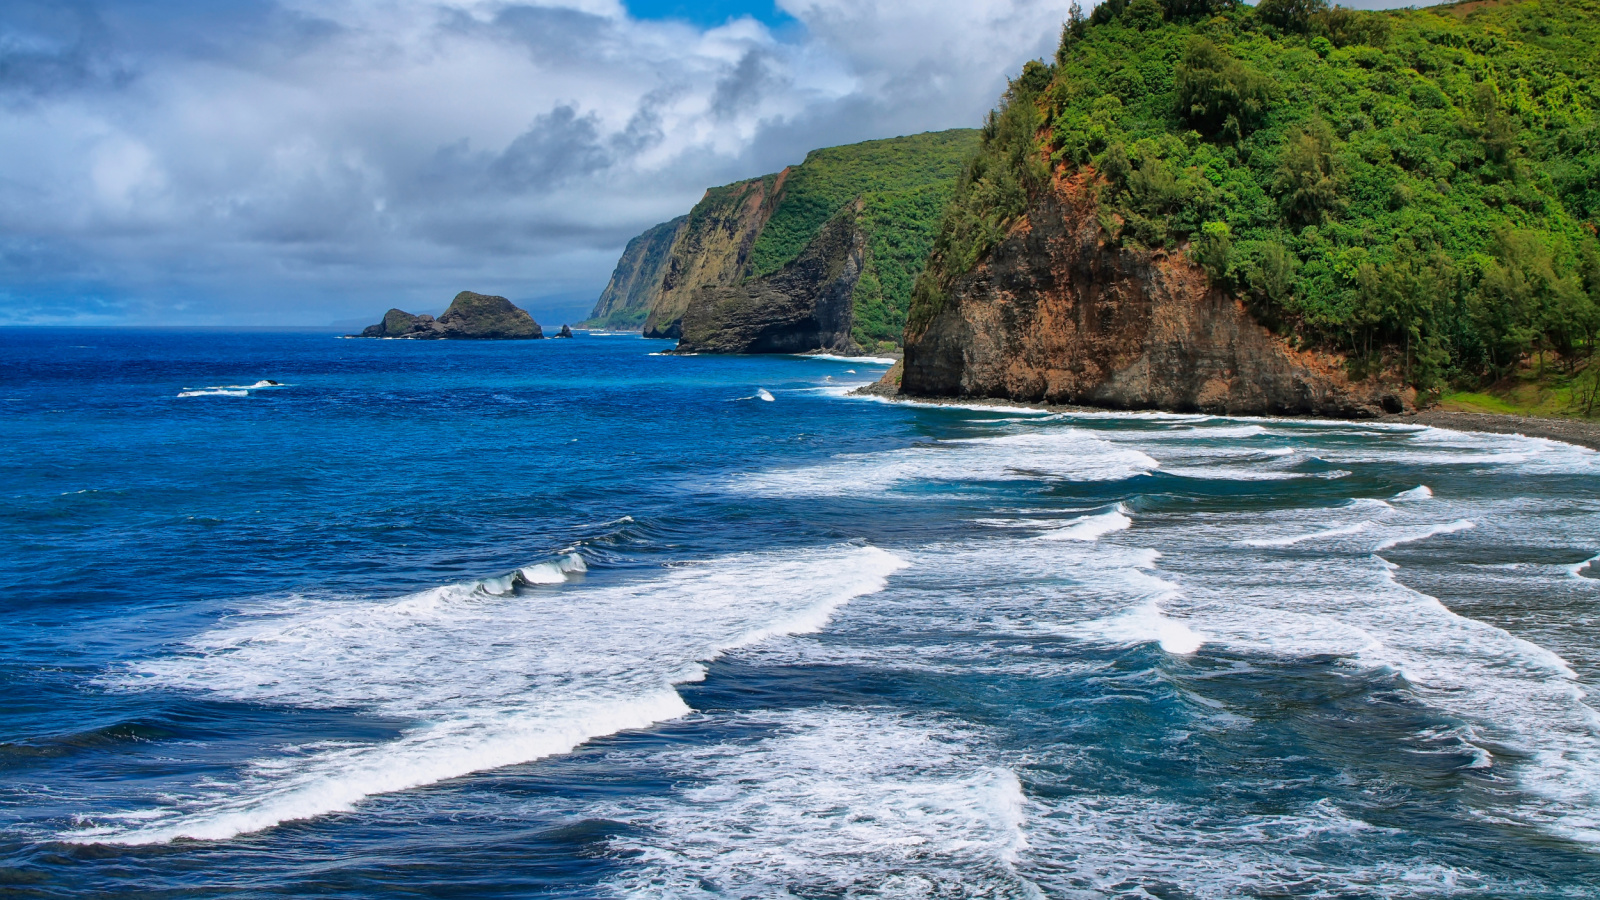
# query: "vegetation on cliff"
[1418,189]
[903,184]
[751,230]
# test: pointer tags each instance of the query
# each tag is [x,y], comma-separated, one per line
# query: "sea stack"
[471,317]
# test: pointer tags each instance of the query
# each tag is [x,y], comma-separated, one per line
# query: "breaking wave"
[494,679]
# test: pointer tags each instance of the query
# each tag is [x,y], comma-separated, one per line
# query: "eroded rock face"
[1056,315]
[470,317]
[710,250]
[804,306]
[636,282]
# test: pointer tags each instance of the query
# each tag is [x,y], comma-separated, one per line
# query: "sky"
[316,162]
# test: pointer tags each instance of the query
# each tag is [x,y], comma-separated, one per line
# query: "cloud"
[283,161]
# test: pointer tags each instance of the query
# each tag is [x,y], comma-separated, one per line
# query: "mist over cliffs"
[821,255]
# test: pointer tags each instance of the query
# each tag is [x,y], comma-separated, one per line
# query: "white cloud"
[308,162]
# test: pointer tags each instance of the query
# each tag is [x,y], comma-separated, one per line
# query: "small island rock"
[470,317]
[566,331]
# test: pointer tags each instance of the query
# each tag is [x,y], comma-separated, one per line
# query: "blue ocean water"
[572,618]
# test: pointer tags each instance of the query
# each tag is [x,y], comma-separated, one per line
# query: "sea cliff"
[741,275]
[1287,208]
[636,283]
[712,248]
[1057,314]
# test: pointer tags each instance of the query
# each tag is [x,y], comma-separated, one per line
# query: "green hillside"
[1417,189]
[903,183]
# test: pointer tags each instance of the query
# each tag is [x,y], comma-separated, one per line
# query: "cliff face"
[804,306]
[470,317]
[754,233]
[1054,314]
[712,247]
[636,282]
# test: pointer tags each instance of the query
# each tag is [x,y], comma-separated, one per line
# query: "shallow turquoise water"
[566,617]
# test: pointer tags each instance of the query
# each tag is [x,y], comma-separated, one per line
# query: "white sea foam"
[1420,492]
[868,360]
[1423,533]
[557,572]
[1143,624]
[1514,692]
[830,802]
[230,390]
[1290,541]
[1089,528]
[492,680]
[1117,846]
[764,394]
[1064,454]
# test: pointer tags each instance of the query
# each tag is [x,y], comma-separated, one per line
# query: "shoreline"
[1568,431]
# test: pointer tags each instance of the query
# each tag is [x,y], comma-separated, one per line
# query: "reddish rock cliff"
[1055,314]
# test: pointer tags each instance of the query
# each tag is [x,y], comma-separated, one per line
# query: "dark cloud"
[561,145]
[299,161]
[46,50]
[741,89]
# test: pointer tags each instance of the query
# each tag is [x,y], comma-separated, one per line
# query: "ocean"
[573,618]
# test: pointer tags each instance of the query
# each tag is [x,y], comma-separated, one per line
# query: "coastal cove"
[290,615]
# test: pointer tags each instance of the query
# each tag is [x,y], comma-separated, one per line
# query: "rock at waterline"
[566,331]
[471,316]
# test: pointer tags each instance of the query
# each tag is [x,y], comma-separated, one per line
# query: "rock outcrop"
[754,233]
[712,247]
[636,282]
[804,306]
[470,317]
[1055,314]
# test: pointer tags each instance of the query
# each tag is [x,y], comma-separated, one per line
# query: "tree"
[1295,16]
[1217,94]
[1308,174]
[1211,251]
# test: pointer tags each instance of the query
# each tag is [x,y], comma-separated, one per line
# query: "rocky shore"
[1580,432]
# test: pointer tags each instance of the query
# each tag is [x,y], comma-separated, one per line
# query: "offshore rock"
[566,332]
[471,316]
[804,306]
[712,247]
[1056,314]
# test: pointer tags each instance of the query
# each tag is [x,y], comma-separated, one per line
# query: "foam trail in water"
[1141,625]
[495,680]
[1068,454]
[1089,528]
[1420,492]
[1357,528]
[869,360]
[830,802]
[1422,534]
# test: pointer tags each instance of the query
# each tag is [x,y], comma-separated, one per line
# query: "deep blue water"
[570,618]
